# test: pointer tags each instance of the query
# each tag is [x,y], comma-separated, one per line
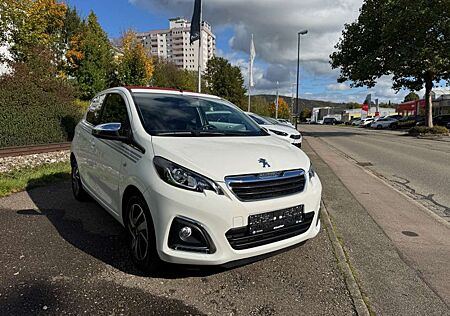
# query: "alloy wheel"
[138,228]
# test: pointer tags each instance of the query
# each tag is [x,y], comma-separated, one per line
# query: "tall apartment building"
[174,44]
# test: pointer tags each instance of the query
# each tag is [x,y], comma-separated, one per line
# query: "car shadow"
[88,227]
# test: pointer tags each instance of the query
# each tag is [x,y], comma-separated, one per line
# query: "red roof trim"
[156,88]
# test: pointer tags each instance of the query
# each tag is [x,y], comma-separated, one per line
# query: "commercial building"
[174,45]
[441,104]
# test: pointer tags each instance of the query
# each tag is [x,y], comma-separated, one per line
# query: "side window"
[94,110]
[115,111]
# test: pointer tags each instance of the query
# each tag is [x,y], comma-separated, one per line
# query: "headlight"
[278,132]
[311,172]
[183,178]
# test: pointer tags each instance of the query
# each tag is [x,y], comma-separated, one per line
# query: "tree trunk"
[428,100]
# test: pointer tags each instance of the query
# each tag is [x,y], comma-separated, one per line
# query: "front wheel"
[141,241]
[77,187]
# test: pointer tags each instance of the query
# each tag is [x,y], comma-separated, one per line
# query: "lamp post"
[304,32]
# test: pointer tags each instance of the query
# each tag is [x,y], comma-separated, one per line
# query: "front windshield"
[176,115]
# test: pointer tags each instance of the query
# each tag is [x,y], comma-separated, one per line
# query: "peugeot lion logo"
[263,162]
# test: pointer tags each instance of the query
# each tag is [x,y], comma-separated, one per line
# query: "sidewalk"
[399,252]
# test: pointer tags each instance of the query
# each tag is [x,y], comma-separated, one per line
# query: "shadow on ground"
[88,227]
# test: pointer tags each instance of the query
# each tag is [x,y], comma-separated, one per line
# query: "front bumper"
[218,214]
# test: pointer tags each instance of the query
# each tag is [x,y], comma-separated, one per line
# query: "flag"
[252,58]
[196,21]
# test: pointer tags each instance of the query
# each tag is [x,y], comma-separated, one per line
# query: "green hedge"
[424,130]
[36,107]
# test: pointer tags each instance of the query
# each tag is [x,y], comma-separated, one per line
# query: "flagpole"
[199,89]
[249,83]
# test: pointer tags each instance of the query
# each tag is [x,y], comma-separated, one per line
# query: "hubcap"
[137,226]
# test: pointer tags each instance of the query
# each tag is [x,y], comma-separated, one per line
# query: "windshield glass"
[259,119]
[272,120]
[175,115]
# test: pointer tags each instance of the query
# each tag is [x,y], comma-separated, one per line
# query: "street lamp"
[304,32]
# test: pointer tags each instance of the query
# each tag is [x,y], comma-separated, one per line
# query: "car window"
[173,115]
[115,111]
[94,110]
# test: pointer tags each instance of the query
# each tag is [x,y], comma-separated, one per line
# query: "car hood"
[218,157]
[282,128]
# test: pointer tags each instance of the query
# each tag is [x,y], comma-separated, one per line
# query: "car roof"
[158,90]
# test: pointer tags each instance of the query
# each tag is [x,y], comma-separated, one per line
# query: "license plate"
[271,221]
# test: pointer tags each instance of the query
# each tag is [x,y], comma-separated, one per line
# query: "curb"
[352,286]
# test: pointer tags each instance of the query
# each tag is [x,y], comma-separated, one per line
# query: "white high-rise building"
[174,44]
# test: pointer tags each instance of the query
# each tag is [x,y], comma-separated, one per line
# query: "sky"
[274,24]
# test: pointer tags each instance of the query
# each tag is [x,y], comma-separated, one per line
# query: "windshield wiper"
[191,133]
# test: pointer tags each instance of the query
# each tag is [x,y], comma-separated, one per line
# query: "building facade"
[174,45]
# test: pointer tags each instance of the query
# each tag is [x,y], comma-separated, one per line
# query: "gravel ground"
[8,164]
[70,258]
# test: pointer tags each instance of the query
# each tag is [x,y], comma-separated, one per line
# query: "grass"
[27,178]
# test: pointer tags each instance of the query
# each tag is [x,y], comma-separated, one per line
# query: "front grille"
[240,238]
[296,136]
[267,185]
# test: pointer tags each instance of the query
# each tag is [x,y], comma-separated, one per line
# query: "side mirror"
[109,131]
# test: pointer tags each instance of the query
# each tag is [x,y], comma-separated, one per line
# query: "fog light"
[185,233]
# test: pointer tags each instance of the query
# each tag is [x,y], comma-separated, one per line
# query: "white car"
[284,132]
[365,122]
[385,122]
[189,189]
[286,122]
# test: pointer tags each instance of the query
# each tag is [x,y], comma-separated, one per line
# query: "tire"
[379,127]
[141,235]
[77,187]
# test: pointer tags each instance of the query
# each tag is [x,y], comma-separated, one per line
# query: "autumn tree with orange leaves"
[134,64]
[283,109]
[27,24]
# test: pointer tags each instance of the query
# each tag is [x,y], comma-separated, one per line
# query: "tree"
[36,106]
[305,114]
[259,105]
[412,96]
[283,109]
[28,23]
[168,75]
[225,80]
[135,66]
[410,42]
[90,58]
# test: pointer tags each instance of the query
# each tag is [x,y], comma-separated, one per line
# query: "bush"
[424,130]
[36,106]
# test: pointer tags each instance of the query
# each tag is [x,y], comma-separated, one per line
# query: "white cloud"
[338,87]
[275,24]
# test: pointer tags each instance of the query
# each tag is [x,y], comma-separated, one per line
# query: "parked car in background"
[448,125]
[355,122]
[366,122]
[408,122]
[439,120]
[331,121]
[189,189]
[284,132]
[384,122]
[286,122]
[396,116]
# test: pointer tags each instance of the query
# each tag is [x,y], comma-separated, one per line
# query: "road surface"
[418,167]
[60,257]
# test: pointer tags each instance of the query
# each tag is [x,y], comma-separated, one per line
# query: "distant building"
[441,104]
[174,45]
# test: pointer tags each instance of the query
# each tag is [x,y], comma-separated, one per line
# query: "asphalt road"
[60,256]
[417,167]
